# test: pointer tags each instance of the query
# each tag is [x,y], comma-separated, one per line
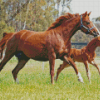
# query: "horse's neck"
[70,27]
[92,46]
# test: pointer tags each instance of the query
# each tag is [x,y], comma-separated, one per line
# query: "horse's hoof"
[17,81]
[81,81]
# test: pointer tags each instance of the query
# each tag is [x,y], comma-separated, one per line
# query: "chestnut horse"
[52,44]
[85,55]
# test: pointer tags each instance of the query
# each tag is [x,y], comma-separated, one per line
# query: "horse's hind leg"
[21,62]
[6,58]
[4,61]
[62,66]
[71,62]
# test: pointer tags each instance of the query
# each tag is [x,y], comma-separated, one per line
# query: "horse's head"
[87,26]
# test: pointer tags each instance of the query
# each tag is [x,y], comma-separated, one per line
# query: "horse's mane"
[61,19]
[5,38]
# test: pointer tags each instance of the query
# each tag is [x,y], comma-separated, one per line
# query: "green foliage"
[5,28]
[98,19]
[35,15]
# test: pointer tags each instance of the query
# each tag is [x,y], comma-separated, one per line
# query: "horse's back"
[32,44]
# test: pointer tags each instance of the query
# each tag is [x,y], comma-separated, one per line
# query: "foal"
[85,55]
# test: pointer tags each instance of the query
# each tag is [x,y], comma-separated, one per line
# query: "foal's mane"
[61,19]
[92,42]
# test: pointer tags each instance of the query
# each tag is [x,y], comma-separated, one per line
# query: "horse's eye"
[87,23]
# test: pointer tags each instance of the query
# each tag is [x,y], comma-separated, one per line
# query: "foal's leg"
[87,70]
[21,62]
[61,67]
[94,64]
[71,62]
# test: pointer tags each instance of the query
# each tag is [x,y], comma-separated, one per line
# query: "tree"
[36,15]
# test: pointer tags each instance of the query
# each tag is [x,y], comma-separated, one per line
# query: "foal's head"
[87,26]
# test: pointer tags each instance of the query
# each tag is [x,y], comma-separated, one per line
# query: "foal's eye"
[87,23]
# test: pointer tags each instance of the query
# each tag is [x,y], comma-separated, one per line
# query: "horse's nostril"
[94,31]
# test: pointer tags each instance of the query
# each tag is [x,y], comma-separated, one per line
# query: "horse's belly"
[40,58]
[35,53]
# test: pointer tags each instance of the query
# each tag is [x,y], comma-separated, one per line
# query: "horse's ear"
[85,13]
[89,13]
[4,34]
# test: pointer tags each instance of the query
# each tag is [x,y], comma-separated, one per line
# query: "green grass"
[35,83]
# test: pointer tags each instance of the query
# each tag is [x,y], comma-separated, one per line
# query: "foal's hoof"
[55,79]
[89,81]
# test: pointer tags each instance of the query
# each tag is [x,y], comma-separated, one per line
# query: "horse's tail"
[3,53]
[4,34]
[3,42]
[11,44]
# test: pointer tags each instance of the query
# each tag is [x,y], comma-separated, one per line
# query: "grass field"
[35,83]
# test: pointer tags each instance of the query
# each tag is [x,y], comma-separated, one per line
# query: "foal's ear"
[89,13]
[4,34]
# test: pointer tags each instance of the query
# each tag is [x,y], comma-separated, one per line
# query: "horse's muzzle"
[95,34]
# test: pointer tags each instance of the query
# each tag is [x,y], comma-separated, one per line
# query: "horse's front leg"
[52,65]
[87,71]
[72,63]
